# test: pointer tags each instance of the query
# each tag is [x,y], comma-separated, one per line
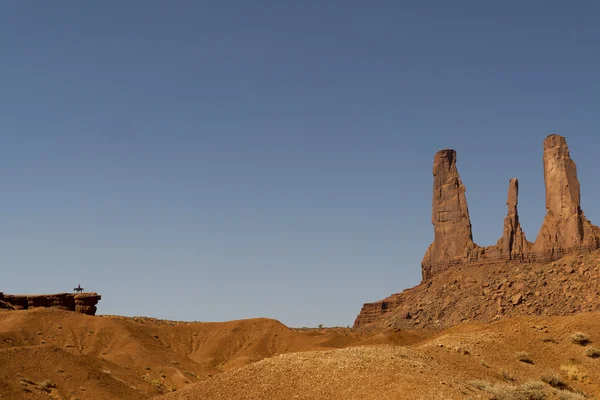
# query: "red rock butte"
[84,303]
[464,281]
[565,228]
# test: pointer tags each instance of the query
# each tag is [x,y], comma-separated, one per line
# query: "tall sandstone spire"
[565,225]
[513,244]
[453,239]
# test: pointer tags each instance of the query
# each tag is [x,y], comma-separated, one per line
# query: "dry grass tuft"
[46,385]
[479,384]
[592,352]
[507,376]
[524,357]
[553,379]
[580,338]
[502,391]
[573,372]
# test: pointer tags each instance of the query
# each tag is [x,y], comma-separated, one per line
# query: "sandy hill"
[116,357]
[45,372]
[519,358]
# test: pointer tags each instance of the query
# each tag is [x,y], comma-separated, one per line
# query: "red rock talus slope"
[84,303]
[491,291]
[470,361]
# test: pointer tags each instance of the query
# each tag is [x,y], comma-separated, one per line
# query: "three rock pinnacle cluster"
[565,227]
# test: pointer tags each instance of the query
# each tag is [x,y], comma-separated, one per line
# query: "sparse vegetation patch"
[580,338]
[524,357]
[592,352]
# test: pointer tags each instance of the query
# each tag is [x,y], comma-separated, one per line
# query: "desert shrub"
[158,385]
[553,379]
[523,357]
[592,352]
[564,395]
[504,391]
[533,390]
[46,385]
[507,376]
[580,338]
[573,372]
[481,385]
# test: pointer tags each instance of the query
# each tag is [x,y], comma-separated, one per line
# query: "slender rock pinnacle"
[453,238]
[513,242]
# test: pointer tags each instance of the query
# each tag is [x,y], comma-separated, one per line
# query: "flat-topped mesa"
[565,226]
[513,244]
[84,303]
[453,239]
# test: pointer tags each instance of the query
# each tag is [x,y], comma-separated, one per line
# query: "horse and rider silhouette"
[78,289]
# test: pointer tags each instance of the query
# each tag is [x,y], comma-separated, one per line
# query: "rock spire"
[565,225]
[453,238]
[513,244]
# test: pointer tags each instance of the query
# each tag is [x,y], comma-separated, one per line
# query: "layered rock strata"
[84,303]
[4,304]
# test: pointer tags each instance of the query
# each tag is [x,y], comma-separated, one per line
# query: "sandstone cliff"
[4,304]
[84,303]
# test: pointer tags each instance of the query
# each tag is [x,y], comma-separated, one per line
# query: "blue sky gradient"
[210,161]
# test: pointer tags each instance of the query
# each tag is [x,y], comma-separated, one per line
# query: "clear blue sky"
[219,160]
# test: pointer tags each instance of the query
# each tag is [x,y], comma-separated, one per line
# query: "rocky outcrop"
[18,302]
[513,244]
[371,312]
[565,225]
[4,304]
[81,302]
[85,303]
[63,301]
